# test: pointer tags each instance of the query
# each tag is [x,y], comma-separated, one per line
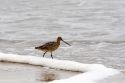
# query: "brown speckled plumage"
[50,46]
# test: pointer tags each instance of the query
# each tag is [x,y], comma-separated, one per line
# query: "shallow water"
[24,73]
[94,28]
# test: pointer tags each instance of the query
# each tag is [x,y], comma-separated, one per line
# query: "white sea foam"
[91,72]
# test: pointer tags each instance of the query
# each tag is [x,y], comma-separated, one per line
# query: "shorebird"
[51,46]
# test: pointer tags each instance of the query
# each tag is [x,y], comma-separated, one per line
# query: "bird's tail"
[36,47]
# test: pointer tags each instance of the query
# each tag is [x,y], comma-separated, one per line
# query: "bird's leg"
[44,53]
[51,55]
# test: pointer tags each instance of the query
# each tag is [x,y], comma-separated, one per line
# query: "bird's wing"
[47,44]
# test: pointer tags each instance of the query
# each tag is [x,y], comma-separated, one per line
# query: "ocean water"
[94,28]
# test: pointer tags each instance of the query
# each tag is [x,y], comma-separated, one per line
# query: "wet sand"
[24,73]
[119,78]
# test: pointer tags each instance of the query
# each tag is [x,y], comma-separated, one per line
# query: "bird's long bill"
[66,42]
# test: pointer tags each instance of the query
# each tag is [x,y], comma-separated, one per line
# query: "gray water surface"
[94,28]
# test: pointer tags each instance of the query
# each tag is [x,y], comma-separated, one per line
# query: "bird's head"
[60,39]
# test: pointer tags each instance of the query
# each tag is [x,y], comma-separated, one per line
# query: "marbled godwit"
[51,46]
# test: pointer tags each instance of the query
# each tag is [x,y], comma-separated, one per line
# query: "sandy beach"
[24,73]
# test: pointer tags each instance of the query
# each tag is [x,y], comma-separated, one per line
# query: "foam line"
[91,72]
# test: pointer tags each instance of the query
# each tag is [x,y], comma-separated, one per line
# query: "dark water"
[94,28]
